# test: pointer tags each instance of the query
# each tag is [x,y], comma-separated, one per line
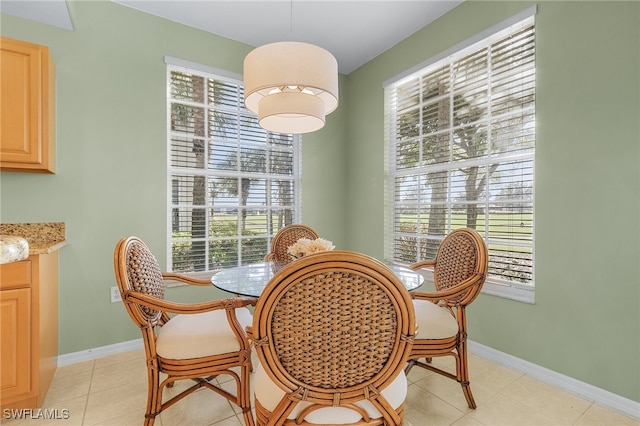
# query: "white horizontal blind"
[461,135]
[232,185]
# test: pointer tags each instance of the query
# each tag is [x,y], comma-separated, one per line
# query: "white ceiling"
[52,12]
[355,31]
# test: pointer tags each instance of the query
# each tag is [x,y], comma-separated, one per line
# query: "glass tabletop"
[250,280]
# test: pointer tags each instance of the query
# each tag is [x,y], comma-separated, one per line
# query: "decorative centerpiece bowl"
[305,246]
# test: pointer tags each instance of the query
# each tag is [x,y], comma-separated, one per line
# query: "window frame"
[177,64]
[493,285]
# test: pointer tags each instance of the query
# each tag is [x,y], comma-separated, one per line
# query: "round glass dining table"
[250,280]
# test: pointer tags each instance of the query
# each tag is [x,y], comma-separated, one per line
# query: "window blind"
[232,184]
[461,138]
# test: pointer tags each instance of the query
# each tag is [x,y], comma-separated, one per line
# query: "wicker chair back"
[142,275]
[286,237]
[334,328]
[461,255]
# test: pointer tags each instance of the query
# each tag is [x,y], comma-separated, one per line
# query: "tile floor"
[112,391]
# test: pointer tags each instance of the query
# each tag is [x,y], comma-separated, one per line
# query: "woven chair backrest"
[461,254]
[286,237]
[139,272]
[334,322]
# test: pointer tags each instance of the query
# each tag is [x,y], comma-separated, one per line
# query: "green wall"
[111,156]
[586,321]
[111,177]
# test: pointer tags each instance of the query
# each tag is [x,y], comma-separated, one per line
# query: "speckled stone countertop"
[43,238]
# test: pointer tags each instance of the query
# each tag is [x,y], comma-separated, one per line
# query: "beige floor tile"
[491,376]
[129,419]
[120,357]
[79,367]
[231,421]
[68,386]
[502,410]
[115,402]
[560,406]
[424,408]
[116,374]
[450,391]
[597,415]
[201,408]
[75,408]
[468,420]
[418,373]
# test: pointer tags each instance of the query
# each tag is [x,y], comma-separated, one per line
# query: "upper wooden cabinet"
[27,92]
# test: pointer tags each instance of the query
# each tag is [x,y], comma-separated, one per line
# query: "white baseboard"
[89,354]
[599,396]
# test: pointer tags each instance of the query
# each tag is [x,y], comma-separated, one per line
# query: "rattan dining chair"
[459,272]
[202,341]
[286,237]
[332,331]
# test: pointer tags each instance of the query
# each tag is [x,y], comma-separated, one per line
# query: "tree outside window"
[233,185]
[462,140]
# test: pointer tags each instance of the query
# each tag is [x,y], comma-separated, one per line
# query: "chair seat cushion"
[434,322]
[188,336]
[269,395]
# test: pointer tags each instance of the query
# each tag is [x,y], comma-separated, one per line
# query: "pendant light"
[291,86]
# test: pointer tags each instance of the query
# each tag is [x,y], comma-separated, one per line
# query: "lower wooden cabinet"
[29,330]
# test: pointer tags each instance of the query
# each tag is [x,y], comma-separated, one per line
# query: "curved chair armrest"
[185,279]
[248,300]
[422,264]
[450,293]
[269,257]
[186,308]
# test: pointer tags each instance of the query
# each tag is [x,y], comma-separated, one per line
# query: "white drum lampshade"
[291,86]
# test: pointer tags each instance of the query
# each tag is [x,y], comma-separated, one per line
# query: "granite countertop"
[42,238]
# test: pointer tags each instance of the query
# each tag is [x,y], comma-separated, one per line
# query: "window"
[461,137]
[232,185]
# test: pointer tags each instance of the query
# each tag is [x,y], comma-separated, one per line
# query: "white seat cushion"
[198,335]
[269,395]
[434,322]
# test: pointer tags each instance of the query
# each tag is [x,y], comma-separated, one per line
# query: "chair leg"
[409,366]
[462,368]
[244,394]
[468,395]
[154,398]
[248,417]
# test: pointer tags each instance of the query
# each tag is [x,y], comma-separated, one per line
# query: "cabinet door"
[26,128]
[15,331]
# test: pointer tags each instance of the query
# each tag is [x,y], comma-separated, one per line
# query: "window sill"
[509,291]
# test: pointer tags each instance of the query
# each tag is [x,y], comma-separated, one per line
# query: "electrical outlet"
[115,295]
